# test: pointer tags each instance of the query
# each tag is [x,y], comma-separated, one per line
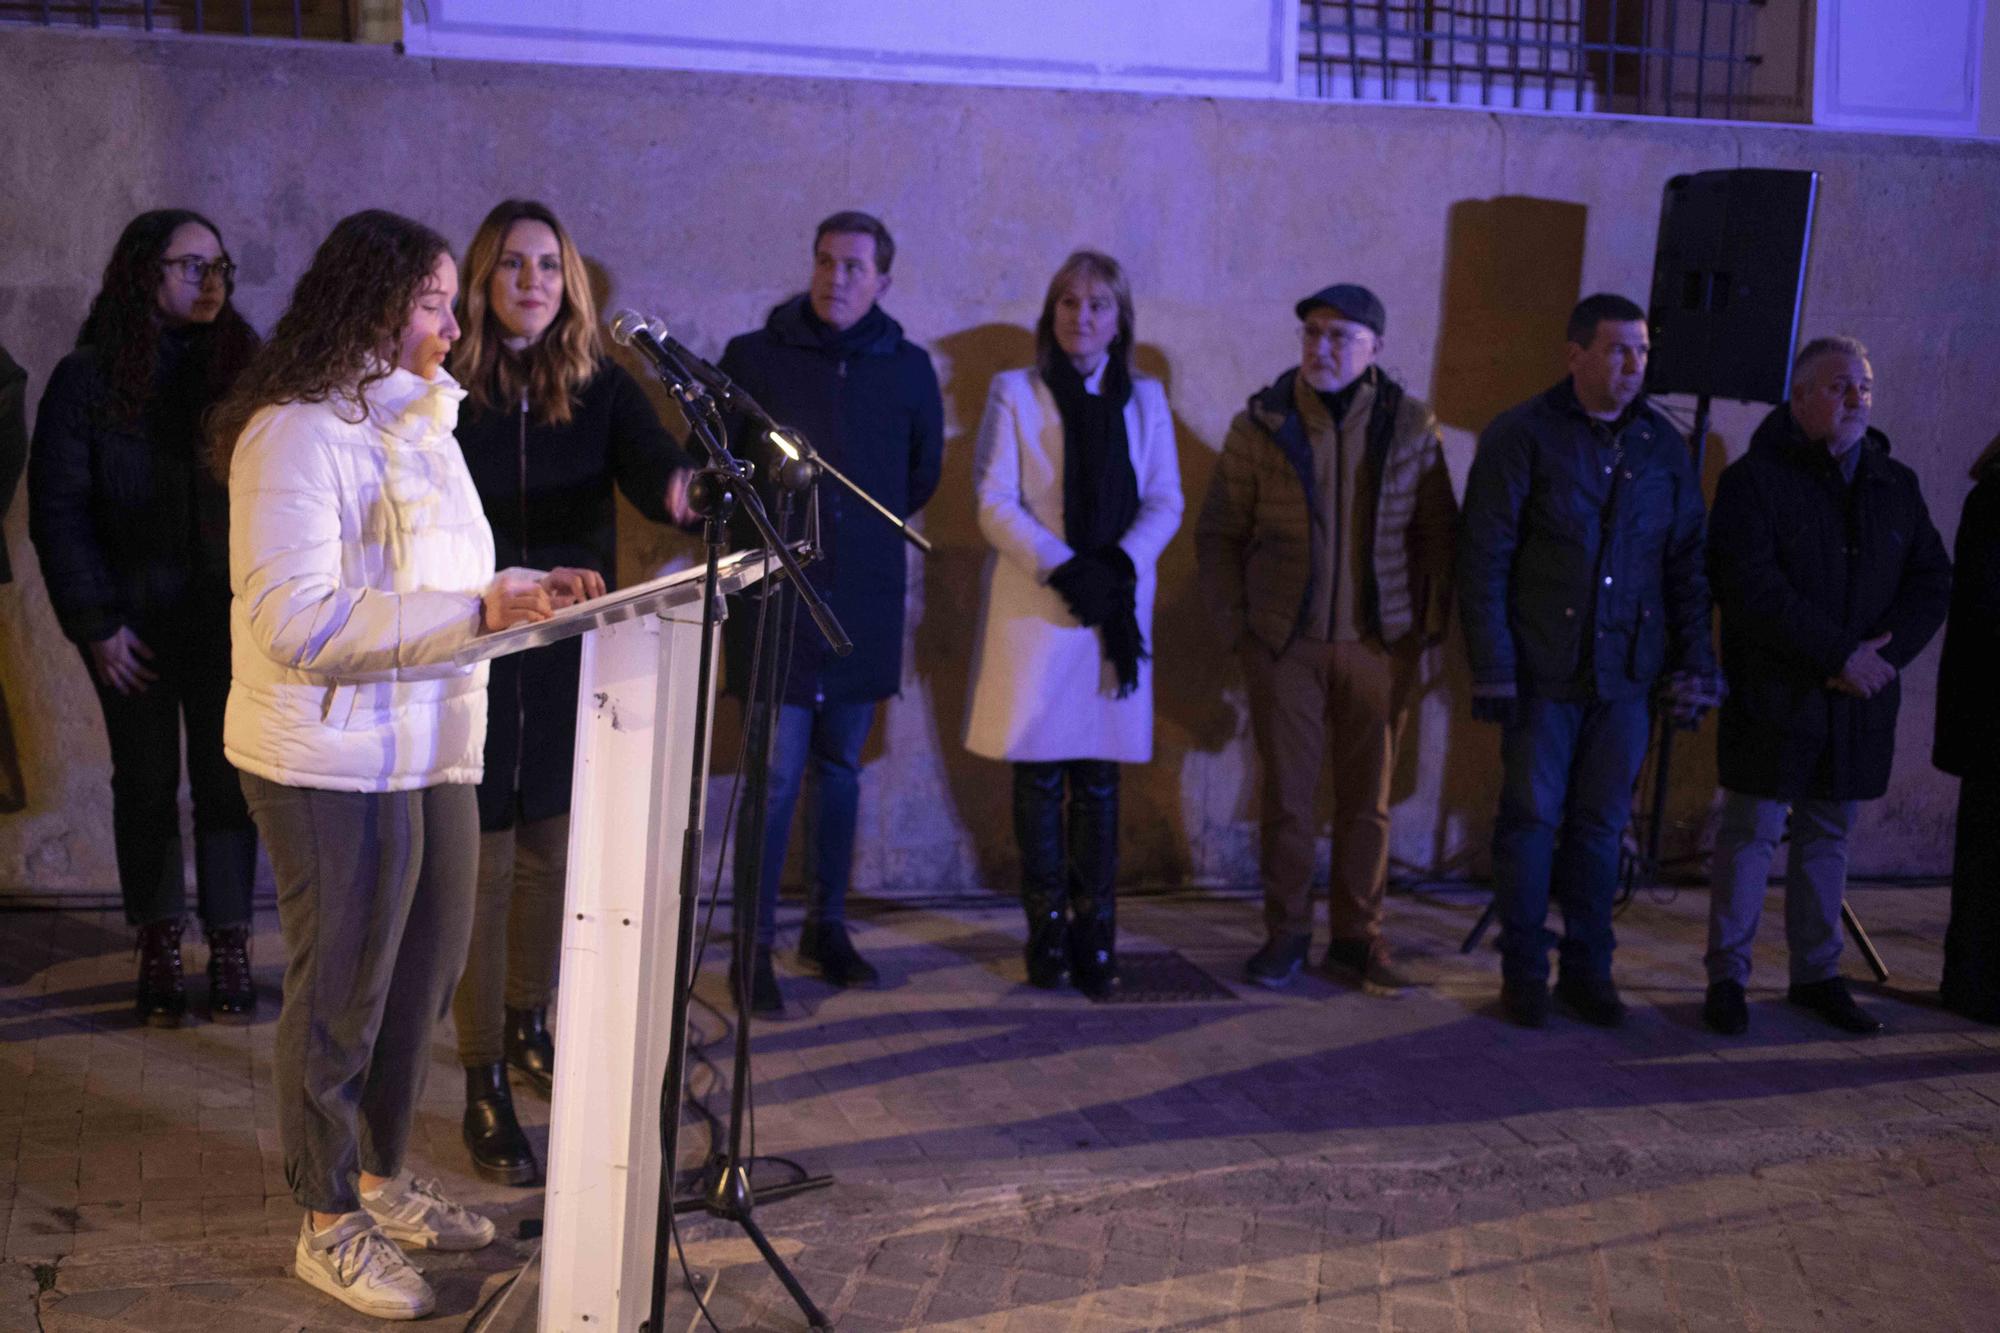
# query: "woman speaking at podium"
[549,427]
[359,562]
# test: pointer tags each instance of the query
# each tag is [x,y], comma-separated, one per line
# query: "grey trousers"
[375,904]
[1746,842]
[516,934]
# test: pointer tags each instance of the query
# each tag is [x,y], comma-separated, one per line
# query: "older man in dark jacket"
[1580,586]
[1831,578]
[832,366]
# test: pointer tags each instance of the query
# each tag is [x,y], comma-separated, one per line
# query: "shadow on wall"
[1513,270]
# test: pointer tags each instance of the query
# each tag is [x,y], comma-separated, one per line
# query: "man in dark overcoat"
[1830,578]
[832,366]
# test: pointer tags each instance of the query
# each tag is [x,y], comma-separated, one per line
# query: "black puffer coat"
[1968,694]
[867,399]
[1805,568]
[127,519]
[547,492]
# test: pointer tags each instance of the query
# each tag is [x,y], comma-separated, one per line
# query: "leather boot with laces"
[500,1152]
[232,992]
[162,995]
[530,1050]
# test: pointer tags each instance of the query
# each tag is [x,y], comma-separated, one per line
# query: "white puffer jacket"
[358,553]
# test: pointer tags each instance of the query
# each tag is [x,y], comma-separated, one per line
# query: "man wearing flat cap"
[1325,552]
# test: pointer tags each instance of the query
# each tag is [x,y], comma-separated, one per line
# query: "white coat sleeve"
[285,566]
[1159,469]
[996,483]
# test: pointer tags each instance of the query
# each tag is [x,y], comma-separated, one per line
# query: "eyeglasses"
[194,270]
[1338,338]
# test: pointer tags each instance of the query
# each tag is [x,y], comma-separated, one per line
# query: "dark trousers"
[516,934]
[1568,770]
[827,738]
[1069,857]
[375,895]
[1971,983]
[145,733]
[1347,702]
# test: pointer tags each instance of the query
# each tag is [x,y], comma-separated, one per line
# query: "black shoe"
[232,992]
[1724,1009]
[766,999]
[1526,1003]
[162,994]
[1830,1000]
[1093,957]
[1277,964]
[1048,950]
[825,945]
[531,1052]
[500,1152]
[1593,999]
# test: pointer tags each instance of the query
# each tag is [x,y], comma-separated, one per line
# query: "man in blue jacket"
[1830,578]
[830,365]
[1580,586]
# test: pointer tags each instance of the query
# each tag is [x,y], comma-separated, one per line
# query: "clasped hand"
[1866,673]
[517,600]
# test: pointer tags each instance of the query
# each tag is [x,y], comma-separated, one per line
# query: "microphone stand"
[716,489]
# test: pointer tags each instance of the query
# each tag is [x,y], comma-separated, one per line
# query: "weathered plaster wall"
[696,195]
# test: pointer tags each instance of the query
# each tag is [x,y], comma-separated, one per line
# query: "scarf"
[1100,500]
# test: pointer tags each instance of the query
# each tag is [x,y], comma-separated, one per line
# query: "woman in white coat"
[1079,491]
[359,563]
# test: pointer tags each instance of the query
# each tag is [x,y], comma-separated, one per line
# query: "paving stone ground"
[1008,1159]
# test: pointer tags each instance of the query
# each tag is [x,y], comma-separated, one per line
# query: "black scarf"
[1100,500]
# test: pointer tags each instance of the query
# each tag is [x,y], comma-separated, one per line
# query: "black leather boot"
[1093,876]
[162,995]
[232,993]
[531,1052]
[1038,832]
[500,1152]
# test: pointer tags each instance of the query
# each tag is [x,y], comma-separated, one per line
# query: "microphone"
[631,329]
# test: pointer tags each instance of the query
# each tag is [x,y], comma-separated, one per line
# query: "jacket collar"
[411,408]
[1778,436]
[793,323]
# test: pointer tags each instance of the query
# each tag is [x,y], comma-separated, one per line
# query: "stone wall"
[695,195]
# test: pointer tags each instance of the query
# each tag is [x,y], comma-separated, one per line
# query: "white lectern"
[629,807]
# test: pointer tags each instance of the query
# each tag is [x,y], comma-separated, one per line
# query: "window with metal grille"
[323,20]
[1643,57]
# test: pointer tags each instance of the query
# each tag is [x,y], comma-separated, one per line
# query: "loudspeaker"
[1728,274]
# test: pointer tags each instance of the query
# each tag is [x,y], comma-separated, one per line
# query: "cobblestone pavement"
[1009,1159]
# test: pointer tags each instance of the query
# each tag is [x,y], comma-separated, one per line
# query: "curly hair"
[346,311]
[123,323]
[561,361]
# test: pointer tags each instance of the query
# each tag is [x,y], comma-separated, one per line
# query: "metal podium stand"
[629,809]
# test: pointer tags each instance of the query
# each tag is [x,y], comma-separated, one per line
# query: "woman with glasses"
[1079,491]
[132,533]
[551,429]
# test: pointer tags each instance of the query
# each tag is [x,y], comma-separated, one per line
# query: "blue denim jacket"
[1580,561]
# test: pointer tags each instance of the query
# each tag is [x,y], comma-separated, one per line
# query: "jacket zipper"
[521,501]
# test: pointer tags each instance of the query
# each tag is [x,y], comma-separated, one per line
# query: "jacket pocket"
[1647,656]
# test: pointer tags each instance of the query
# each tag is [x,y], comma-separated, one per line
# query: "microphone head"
[626,323]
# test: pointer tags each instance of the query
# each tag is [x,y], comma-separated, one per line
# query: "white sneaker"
[415,1213]
[358,1266]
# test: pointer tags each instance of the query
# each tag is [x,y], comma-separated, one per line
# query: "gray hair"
[1838,344]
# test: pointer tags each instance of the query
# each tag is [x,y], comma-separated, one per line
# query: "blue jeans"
[830,736]
[1568,768]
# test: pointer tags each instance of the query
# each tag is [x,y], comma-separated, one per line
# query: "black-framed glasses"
[194,270]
